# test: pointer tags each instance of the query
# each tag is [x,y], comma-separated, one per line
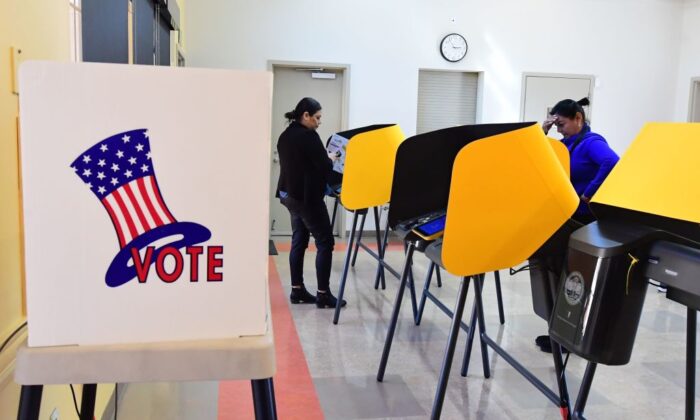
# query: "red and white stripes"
[135,208]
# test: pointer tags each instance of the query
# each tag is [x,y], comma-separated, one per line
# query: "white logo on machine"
[573,288]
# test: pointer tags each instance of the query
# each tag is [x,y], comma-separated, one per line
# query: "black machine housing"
[602,290]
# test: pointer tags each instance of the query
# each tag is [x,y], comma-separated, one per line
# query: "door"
[694,114]
[290,85]
[541,92]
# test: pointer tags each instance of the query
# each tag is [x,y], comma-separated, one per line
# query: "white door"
[290,85]
[694,114]
[541,92]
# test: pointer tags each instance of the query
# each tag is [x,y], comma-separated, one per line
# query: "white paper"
[338,144]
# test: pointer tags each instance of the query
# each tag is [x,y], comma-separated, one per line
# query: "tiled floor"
[343,359]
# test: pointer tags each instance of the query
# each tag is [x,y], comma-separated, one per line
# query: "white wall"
[689,66]
[631,46]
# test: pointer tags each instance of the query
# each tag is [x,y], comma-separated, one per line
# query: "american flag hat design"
[119,171]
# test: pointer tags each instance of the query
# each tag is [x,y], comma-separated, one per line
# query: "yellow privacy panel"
[369,167]
[562,154]
[659,174]
[509,193]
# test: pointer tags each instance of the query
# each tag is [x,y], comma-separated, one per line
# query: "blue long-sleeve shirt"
[592,159]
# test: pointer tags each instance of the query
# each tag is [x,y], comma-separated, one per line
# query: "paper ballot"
[338,144]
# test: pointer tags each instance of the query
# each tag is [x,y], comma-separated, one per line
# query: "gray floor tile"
[362,397]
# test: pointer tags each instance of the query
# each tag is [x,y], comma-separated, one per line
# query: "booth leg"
[424,296]
[359,238]
[499,296]
[482,324]
[264,399]
[87,402]
[470,341]
[564,404]
[450,349]
[691,335]
[335,211]
[346,266]
[395,313]
[29,402]
[586,383]
[381,252]
[412,287]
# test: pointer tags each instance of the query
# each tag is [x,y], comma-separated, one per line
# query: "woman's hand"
[548,123]
[333,156]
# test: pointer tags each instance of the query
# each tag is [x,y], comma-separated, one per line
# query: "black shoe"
[545,344]
[301,295]
[542,340]
[327,300]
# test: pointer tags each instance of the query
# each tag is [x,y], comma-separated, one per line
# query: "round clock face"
[453,47]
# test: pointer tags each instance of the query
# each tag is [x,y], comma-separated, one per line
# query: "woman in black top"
[304,169]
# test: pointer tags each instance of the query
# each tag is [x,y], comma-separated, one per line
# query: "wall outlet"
[54,414]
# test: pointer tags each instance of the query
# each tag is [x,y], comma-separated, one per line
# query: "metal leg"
[414,299]
[29,402]
[450,349]
[335,211]
[87,402]
[346,266]
[381,251]
[691,334]
[412,290]
[499,296]
[439,276]
[424,296]
[564,404]
[359,238]
[470,341]
[395,313]
[583,391]
[264,399]
[482,324]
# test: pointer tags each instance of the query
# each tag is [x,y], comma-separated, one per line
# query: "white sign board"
[145,196]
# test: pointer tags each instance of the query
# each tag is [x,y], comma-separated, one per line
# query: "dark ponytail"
[309,105]
[568,108]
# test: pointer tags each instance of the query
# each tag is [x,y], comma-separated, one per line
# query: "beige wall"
[41,30]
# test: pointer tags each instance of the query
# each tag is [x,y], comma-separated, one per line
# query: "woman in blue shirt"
[591,158]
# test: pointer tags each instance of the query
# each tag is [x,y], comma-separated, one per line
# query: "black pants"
[310,220]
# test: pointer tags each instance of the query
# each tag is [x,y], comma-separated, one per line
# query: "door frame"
[694,81]
[345,100]
[523,89]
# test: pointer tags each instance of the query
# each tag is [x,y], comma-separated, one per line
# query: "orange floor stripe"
[294,388]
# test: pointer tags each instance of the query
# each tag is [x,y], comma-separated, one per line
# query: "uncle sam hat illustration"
[119,171]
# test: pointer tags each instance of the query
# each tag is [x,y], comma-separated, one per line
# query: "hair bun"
[584,101]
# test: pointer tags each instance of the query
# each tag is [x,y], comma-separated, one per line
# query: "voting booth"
[648,211]
[420,192]
[145,214]
[361,178]
[477,185]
